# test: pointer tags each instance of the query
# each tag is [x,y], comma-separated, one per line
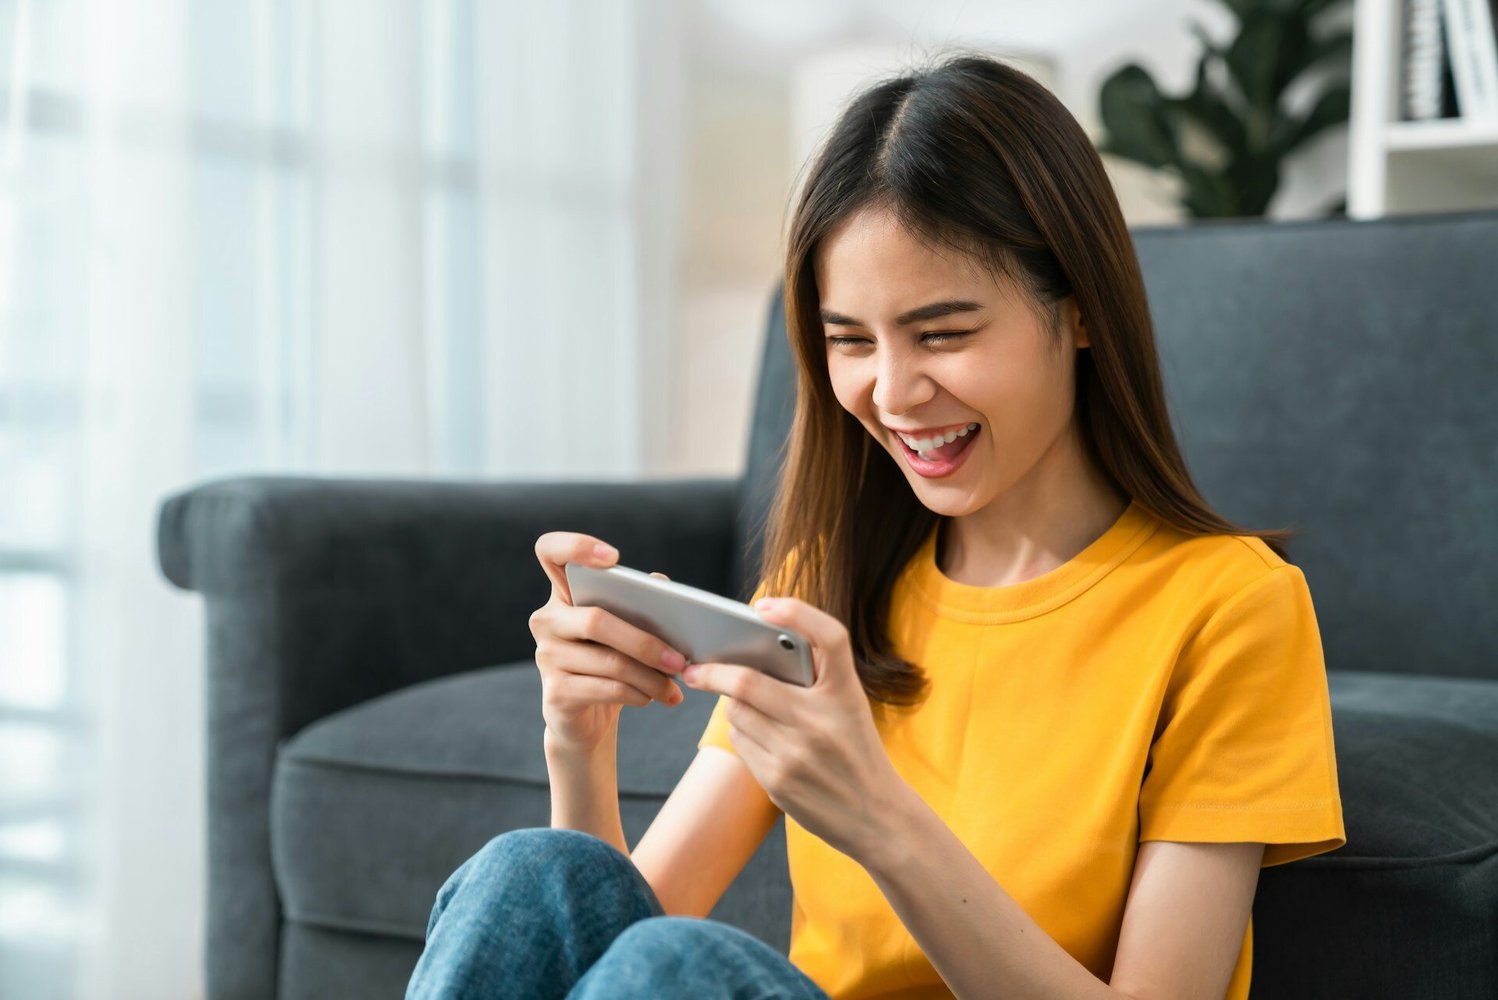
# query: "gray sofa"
[374,714]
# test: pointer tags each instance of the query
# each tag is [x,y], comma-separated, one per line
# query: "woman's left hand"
[815,750]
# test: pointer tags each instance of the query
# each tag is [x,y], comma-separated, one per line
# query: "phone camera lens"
[787,643]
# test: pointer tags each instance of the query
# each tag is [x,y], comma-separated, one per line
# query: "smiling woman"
[934,278]
[1104,705]
[1062,711]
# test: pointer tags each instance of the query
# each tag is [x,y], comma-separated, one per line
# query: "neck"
[1056,512]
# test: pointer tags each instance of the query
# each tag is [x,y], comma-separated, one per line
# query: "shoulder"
[1235,557]
[1212,571]
[1248,553]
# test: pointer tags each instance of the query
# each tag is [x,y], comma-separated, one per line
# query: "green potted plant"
[1228,137]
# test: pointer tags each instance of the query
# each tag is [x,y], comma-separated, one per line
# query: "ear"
[1079,328]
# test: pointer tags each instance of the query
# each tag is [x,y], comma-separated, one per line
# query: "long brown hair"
[973,155]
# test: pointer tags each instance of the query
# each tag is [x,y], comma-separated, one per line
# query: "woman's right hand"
[592,662]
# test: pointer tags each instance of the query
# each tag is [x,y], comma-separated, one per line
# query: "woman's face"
[1000,372]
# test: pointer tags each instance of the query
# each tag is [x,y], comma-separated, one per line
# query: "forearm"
[585,790]
[979,939]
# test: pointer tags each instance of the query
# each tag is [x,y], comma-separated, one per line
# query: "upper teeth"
[926,444]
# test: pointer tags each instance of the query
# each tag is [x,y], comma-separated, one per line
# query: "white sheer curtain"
[365,237]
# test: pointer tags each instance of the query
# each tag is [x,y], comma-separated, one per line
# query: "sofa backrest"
[1339,377]
[769,434]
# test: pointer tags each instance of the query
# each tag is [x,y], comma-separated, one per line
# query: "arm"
[585,789]
[1187,912]
[714,821]
[705,834]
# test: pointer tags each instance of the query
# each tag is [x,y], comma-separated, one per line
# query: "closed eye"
[933,338]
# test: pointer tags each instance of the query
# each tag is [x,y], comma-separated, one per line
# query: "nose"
[899,385]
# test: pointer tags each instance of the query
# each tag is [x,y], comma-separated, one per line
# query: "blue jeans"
[560,913]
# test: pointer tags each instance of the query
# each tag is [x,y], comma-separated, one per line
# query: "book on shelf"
[1449,60]
[1422,58]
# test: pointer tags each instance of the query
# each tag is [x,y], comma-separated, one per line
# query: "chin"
[939,499]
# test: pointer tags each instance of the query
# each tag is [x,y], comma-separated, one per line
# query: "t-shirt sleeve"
[1243,750]
[716,733]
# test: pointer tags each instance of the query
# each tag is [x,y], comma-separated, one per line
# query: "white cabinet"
[1396,167]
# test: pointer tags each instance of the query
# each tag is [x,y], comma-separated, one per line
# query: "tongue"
[948,451]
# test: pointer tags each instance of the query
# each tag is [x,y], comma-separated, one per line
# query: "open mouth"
[942,460]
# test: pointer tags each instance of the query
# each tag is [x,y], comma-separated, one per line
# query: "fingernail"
[603,551]
[690,673]
[677,697]
[672,660]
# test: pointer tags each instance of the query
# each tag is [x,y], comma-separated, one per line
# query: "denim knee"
[652,951]
[661,935]
[670,956]
[536,849]
[541,843]
[532,853]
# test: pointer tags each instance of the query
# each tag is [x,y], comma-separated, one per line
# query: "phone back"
[703,626]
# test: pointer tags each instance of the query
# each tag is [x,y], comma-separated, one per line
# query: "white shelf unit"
[1398,167]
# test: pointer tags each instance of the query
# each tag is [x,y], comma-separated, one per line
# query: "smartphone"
[699,624]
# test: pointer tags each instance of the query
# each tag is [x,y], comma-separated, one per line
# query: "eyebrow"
[933,311]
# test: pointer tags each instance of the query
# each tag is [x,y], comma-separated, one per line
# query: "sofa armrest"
[323,593]
[334,591]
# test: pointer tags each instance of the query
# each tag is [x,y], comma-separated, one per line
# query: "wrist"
[558,749]
[887,841]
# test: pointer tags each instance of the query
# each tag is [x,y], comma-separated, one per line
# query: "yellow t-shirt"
[1155,687]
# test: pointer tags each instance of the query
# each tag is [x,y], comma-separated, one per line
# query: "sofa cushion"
[372,808]
[1408,907]
[318,964]
[1417,761]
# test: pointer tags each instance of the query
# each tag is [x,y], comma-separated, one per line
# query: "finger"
[661,575]
[600,662]
[596,690]
[751,721]
[827,635]
[554,549]
[745,684]
[749,748]
[608,629]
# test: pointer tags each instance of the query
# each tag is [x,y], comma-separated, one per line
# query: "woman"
[1064,712]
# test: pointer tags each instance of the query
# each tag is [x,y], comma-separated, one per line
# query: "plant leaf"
[1252,58]
[1208,194]
[1208,106]
[1242,8]
[1211,46]
[1331,108]
[1132,111]
[1335,49]
[1255,179]
[1310,8]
